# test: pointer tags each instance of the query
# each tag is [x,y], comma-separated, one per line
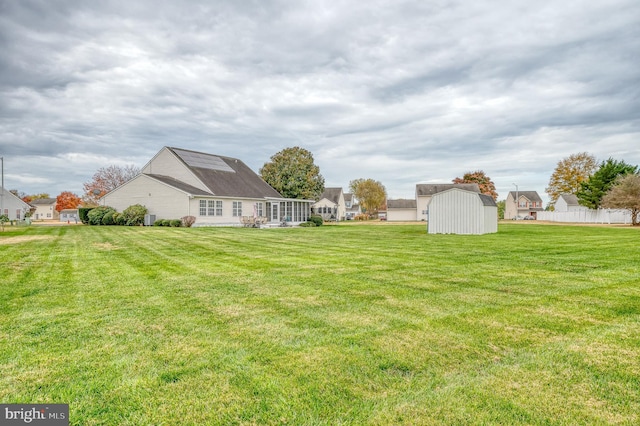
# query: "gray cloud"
[403,92]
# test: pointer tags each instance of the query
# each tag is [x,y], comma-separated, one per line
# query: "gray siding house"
[216,190]
[457,211]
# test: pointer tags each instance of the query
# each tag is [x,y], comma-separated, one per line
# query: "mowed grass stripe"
[334,325]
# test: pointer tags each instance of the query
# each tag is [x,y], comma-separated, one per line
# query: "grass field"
[337,325]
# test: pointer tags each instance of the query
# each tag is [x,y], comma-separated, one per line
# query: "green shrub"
[158,222]
[95,215]
[316,219]
[118,218]
[175,223]
[134,215]
[308,224]
[82,214]
[107,219]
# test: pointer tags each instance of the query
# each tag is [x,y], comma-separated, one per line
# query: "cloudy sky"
[403,92]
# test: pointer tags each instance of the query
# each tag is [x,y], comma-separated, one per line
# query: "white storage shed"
[456,211]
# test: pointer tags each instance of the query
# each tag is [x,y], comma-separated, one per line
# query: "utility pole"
[516,199]
[2,193]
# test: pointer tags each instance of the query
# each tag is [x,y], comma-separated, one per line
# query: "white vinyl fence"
[588,216]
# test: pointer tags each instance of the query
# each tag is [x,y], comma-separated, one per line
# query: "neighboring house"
[352,208]
[529,204]
[216,190]
[331,205]
[12,206]
[401,210]
[424,192]
[568,203]
[69,216]
[457,211]
[45,209]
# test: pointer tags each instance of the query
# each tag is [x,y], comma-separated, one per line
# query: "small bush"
[82,214]
[118,218]
[316,219]
[361,217]
[107,219]
[134,215]
[175,223]
[95,216]
[308,224]
[158,222]
[187,221]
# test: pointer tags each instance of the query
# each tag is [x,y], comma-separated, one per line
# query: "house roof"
[332,194]
[43,201]
[423,189]
[348,197]
[570,199]
[529,195]
[179,184]
[401,204]
[223,176]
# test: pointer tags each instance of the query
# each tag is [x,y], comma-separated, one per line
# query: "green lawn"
[337,325]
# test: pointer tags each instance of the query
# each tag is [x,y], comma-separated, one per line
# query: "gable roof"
[332,194]
[487,200]
[348,197]
[223,176]
[43,202]
[401,204]
[529,195]
[423,189]
[6,193]
[570,199]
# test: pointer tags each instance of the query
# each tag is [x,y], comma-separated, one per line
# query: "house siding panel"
[161,200]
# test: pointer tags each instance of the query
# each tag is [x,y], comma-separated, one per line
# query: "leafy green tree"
[625,194]
[484,182]
[293,174]
[501,207]
[370,193]
[569,173]
[593,189]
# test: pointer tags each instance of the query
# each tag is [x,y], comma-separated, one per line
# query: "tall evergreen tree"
[593,189]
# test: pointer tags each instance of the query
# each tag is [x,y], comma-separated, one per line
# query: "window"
[211,208]
[203,207]
[259,209]
[237,208]
[218,208]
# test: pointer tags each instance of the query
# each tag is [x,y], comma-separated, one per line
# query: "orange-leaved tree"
[484,182]
[67,200]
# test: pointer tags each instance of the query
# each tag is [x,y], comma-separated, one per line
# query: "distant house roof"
[401,204]
[423,189]
[529,195]
[348,197]
[570,199]
[332,194]
[223,176]
[43,201]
